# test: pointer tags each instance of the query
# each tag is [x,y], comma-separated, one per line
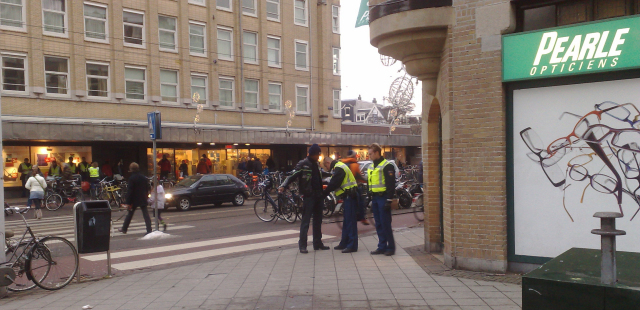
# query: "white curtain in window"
[95,22]
[54,15]
[251,94]
[11,13]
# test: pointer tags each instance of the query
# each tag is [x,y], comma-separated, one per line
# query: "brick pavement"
[285,279]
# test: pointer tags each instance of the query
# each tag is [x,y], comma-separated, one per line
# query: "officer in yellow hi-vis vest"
[94,173]
[382,185]
[83,169]
[25,168]
[54,171]
[72,166]
[344,183]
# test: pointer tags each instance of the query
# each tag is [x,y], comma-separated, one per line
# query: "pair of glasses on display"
[547,162]
[621,113]
[600,182]
[584,124]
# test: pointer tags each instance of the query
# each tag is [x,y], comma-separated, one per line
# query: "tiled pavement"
[285,279]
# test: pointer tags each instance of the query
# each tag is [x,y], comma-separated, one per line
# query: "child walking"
[161,200]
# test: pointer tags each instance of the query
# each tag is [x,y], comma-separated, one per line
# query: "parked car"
[210,189]
[366,164]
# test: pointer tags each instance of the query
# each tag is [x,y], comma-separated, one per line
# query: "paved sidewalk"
[285,279]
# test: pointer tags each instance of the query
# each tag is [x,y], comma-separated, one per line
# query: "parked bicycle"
[50,262]
[267,209]
[59,192]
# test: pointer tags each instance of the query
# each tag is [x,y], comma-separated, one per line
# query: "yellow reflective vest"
[94,172]
[54,171]
[376,177]
[349,180]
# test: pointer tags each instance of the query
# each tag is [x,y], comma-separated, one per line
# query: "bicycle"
[267,210]
[50,262]
[111,193]
[57,194]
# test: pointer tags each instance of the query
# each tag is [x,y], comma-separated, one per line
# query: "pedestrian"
[257,165]
[208,162]
[309,178]
[165,167]
[382,184]
[242,166]
[106,169]
[184,169]
[271,164]
[36,185]
[84,169]
[202,167]
[344,184]
[137,193]
[25,169]
[249,166]
[54,171]
[94,173]
[352,162]
[120,167]
[72,166]
[159,205]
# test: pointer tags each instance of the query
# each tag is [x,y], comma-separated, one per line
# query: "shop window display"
[160,152]
[44,155]
[13,158]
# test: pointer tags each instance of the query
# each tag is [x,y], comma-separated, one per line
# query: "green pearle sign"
[608,45]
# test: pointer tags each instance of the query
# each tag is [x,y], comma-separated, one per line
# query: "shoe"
[339,248]
[349,250]
[322,247]
[122,231]
[377,252]
[389,253]
[304,251]
[164,226]
[365,222]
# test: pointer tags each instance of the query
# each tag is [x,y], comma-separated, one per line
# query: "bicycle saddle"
[8,233]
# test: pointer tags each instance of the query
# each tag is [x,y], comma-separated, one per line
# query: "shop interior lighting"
[199,143]
[235,144]
[212,143]
[247,144]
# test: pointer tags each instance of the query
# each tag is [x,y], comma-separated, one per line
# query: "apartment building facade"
[78,78]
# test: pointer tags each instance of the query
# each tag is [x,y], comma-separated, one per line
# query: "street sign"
[155,125]
[363,14]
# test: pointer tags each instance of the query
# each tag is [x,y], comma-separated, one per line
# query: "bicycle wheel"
[257,190]
[328,207]
[53,263]
[418,213]
[18,263]
[287,210]
[264,211]
[53,202]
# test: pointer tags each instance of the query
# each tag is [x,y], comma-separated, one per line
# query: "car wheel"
[238,199]
[184,204]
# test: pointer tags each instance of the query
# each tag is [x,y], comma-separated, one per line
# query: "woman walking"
[36,185]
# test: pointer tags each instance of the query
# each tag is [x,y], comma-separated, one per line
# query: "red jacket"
[355,169]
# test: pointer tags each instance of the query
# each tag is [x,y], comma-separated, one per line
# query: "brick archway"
[432,175]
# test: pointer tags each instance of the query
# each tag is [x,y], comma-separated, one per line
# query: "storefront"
[573,95]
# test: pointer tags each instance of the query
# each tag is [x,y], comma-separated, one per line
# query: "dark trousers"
[164,174]
[25,191]
[312,206]
[383,224]
[145,215]
[349,224]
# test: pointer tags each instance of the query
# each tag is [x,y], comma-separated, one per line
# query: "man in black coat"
[138,191]
[309,178]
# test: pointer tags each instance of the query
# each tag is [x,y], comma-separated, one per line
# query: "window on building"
[12,15]
[347,111]
[302,98]
[199,86]
[167,33]
[95,23]
[302,55]
[251,90]
[97,79]
[54,17]
[335,18]
[250,7]
[336,103]
[273,51]
[56,71]
[225,44]
[560,13]
[198,2]
[225,5]
[135,83]
[273,10]
[300,12]
[169,85]
[361,117]
[275,96]
[197,39]
[14,73]
[133,28]
[336,61]
[226,86]
[250,47]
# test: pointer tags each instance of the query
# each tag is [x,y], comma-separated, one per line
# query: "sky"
[362,71]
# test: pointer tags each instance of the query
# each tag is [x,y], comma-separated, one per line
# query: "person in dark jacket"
[271,164]
[138,191]
[257,166]
[249,165]
[382,186]
[309,178]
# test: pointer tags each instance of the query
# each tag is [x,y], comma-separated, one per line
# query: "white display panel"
[542,226]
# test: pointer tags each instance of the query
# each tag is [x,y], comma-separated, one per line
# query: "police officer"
[382,184]
[94,173]
[55,169]
[344,183]
[72,166]
[25,169]
[83,168]
[309,178]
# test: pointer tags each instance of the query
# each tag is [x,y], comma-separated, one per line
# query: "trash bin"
[93,225]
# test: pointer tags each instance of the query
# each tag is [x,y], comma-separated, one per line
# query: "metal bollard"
[608,233]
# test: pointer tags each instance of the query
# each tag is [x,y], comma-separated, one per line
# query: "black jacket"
[389,178]
[138,190]
[303,174]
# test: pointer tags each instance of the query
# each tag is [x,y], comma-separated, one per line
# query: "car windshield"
[189,181]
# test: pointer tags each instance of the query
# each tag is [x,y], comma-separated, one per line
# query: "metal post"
[3,290]
[109,263]
[608,233]
[155,184]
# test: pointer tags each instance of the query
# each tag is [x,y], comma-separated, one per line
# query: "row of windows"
[14,80]
[96,29]
[55,21]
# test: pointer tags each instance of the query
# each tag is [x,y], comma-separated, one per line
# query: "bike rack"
[75,232]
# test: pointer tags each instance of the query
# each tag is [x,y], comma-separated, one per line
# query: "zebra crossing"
[63,226]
